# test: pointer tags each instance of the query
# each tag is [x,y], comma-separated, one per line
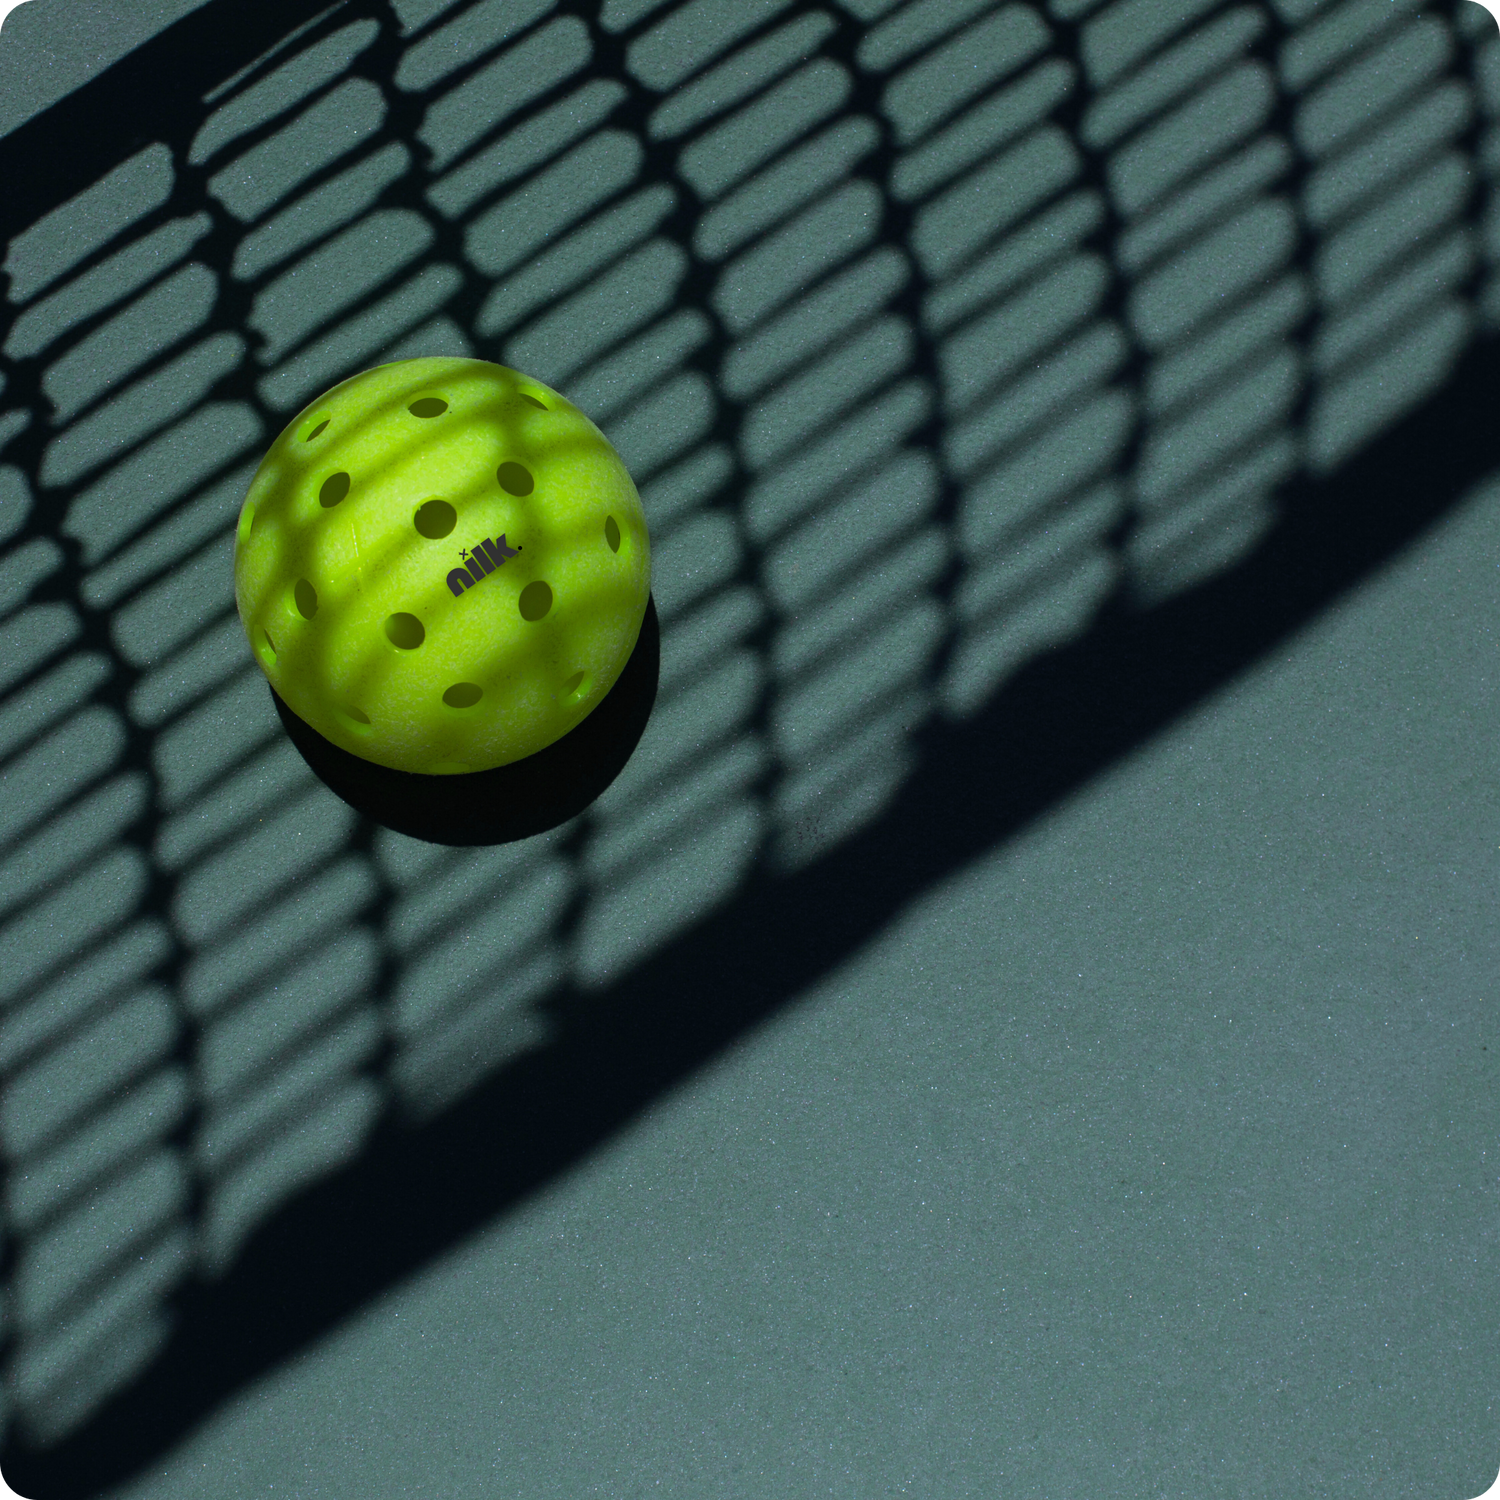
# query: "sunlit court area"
[1021,1020]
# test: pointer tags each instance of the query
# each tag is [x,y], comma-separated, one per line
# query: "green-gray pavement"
[1154,1154]
[1022,1021]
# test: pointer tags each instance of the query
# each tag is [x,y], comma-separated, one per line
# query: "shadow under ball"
[514,801]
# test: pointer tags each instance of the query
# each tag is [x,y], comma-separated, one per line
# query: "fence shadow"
[1000,381]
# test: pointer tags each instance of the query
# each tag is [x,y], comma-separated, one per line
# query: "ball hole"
[317,431]
[532,400]
[514,479]
[247,520]
[576,688]
[611,534]
[306,598]
[315,426]
[536,600]
[405,631]
[355,718]
[428,406]
[267,648]
[435,519]
[463,695]
[335,487]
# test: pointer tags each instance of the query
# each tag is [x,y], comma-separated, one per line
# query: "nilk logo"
[483,560]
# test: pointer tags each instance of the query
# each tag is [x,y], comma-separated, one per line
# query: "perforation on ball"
[405,632]
[536,600]
[515,479]
[435,519]
[335,487]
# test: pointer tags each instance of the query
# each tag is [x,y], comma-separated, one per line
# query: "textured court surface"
[1018,1024]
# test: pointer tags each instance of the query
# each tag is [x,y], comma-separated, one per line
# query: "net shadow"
[1000,380]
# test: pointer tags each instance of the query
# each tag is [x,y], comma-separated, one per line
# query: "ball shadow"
[511,802]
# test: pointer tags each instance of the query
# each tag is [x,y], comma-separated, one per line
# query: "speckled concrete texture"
[1020,1020]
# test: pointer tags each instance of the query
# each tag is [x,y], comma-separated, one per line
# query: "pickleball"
[442,565]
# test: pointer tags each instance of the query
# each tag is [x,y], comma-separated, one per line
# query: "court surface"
[1022,1021]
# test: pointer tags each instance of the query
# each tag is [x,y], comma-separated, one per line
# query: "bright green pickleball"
[442,565]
